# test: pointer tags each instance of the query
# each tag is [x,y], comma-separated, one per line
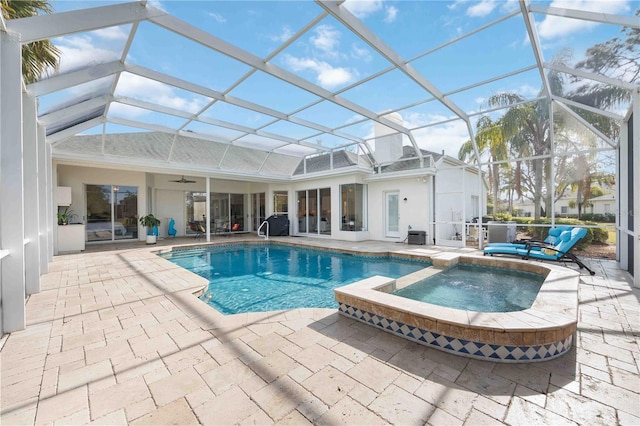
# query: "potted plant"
[66,216]
[151,223]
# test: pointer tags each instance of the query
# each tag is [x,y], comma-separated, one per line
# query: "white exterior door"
[392,214]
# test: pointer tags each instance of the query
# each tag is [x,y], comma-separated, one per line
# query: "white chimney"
[388,142]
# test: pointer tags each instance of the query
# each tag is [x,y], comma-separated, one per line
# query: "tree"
[489,142]
[618,58]
[39,56]
[526,128]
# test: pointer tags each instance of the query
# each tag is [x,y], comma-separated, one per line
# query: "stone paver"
[116,337]
[176,413]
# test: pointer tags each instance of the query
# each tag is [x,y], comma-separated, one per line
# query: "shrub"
[597,217]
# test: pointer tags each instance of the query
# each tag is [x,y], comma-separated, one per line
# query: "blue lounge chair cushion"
[565,242]
[551,238]
[559,252]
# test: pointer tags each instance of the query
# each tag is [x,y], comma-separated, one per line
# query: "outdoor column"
[51,207]
[208,212]
[635,209]
[30,194]
[12,279]
[44,184]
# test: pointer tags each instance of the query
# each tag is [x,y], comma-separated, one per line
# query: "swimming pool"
[477,288]
[270,276]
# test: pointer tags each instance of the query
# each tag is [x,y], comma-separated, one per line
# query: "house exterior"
[566,206]
[335,195]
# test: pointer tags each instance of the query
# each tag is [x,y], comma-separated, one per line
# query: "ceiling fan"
[183,180]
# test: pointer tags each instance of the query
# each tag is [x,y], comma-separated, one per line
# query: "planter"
[151,223]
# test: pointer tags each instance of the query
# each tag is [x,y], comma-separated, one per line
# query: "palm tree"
[38,56]
[526,128]
[490,142]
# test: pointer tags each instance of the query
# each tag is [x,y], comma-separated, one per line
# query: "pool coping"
[210,318]
[544,331]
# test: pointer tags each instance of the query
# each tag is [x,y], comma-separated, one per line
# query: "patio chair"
[560,252]
[197,228]
[550,240]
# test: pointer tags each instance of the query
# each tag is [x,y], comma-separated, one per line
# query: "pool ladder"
[266,235]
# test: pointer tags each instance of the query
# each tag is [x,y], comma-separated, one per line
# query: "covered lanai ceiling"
[253,87]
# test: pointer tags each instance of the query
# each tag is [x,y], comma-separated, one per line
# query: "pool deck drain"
[116,338]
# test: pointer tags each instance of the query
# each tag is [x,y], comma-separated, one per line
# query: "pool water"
[260,278]
[477,288]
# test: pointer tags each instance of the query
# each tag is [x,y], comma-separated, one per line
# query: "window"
[353,204]
[475,206]
[112,212]
[607,208]
[280,203]
[564,210]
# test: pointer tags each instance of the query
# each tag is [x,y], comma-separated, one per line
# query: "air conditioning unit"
[417,238]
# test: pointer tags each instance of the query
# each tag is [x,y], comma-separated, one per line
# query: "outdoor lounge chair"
[552,236]
[560,252]
[197,228]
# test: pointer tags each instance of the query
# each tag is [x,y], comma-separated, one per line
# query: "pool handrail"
[266,235]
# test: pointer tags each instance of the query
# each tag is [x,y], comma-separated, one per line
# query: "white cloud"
[448,136]
[555,27]
[456,4]
[134,86]
[482,8]
[326,39]
[509,6]
[528,91]
[391,14]
[327,76]
[157,4]
[359,53]
[112,33]
[284,35]
[80,52]
[363,8]
[218,18]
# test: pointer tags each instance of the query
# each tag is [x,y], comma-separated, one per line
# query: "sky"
[294,37]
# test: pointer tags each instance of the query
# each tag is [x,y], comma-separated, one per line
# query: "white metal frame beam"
[529,22]
[200,36]
[42,27]
[603,18]
[591,76]
[584,123]
[356,26]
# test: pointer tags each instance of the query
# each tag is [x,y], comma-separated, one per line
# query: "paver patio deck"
[116,337]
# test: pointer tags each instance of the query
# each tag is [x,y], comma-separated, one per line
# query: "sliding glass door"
[314,211]
[112,212]
[258,209]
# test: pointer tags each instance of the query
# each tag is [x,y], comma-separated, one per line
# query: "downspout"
[433,213]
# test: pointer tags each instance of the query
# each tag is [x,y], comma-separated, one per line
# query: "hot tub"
[542,332]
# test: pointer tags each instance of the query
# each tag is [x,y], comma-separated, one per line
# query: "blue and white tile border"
[477,350]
